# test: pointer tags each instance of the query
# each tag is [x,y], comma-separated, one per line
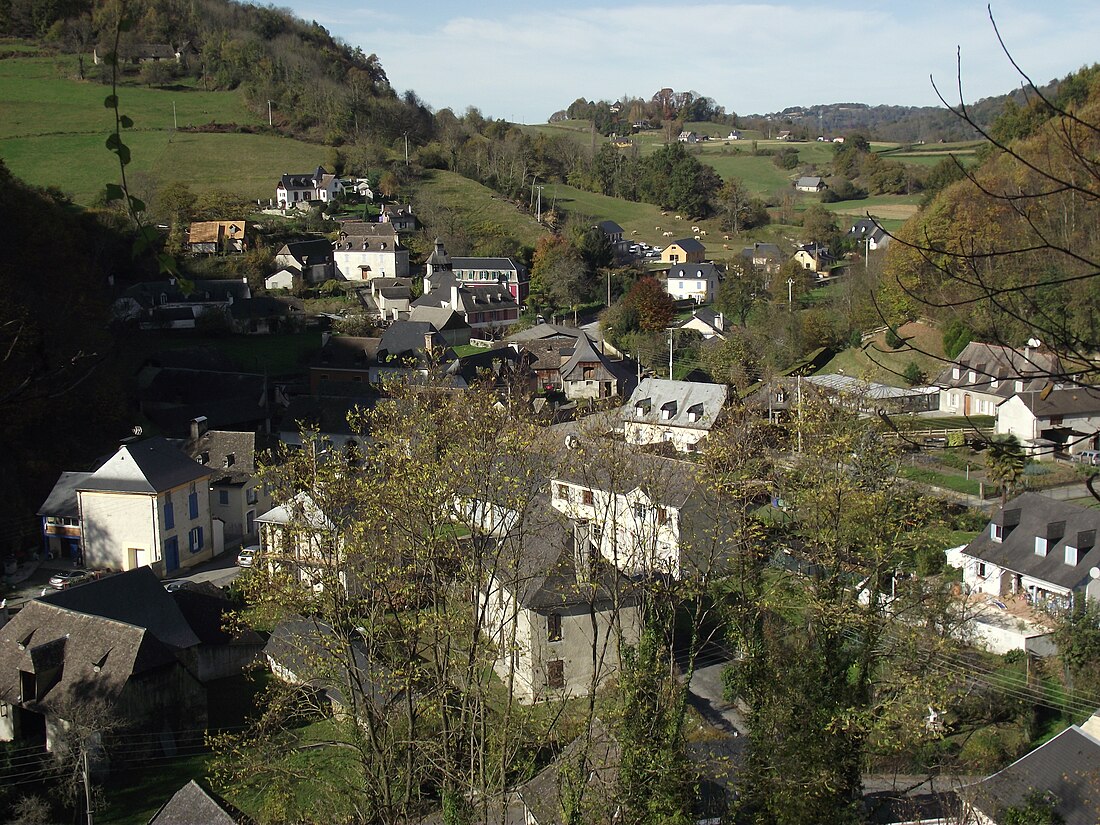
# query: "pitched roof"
[1065,771]
[809,180]
[302,180]
[584,353]
[308,250]
[216,231]
[193,805]
[600,754]
[227,454]
[761,250]
[1079,401]
[347,352]
[676,403]
[694,271]
[404,339]
[62,501]
[441,318]
[1029,516]
[154,465]
[688,245]
[504,264]
[993,362]
[149,293]
[609,228]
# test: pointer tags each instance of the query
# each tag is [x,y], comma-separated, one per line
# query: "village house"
[124,640]
[1053,422]
[304,262]
[299,190]
[684,251]
[814,257]
[236,494]
[219,237]
[60,514]
[165,304]
[558,366]
[392,297]
[487,308]
[763,256]
[475,272]
[364,251]
[134,54]
[556,615]
[681,413]
[708,322]
[192,805]
[1037,549]
[810,183]
[148,505]
[984,375]
[697,282]
[398,215]
[866,231]
[688,137]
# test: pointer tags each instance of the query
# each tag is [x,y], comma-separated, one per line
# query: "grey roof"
[1065,770]
[505,264]
[703,270]
[680,400]
[192,805]
[405,339]
[62,501]
[303,180]
[849,385]
[1036,513]
[609,228]
[761,250]
[543,331]
[310,652]
[148,293]
[441,318]
[151,466]
[439,260]
[600,754]
[228,454]
[306,252]
[809,180]
[689,245]
[473,298]
[1006,365]
[584,352]
[866,228]
[347,352]
[1072,403]
[173,397]
[706,315]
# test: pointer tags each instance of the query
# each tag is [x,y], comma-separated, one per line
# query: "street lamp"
[790,294]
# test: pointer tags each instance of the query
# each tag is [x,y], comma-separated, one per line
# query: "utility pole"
[867,252]
[269,121]
[87,784]
[538,208]
[175,125]
[799,385]
[671,335]
[406,148]
[609,287]
[790,295]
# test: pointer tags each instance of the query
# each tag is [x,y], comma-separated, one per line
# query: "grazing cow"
[679,218]
[667,234]
[703,232]
[633,231]
[695,229]
[725,237]
[664,213]
[657,229]
[725,246]
[697,238]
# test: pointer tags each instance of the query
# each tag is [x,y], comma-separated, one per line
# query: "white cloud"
[523,62]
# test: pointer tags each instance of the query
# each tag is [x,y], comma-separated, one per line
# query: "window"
[555,674]
[586,497]
[561,492]
[662,515]
[252,495]
[194,539]
[971,377]
[1071,555]
[169,515]
[553,627]
[1040,546]
[1019,386]
[223,497]
[230,459]
[981,570]
[996,532]
[193,503]
[639,510]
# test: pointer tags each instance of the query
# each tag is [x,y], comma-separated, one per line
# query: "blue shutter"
[193,504]
[169,515]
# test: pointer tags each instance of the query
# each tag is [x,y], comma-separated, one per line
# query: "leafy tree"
[558,275]
[913,374]
[740,291]
[653,306]
[1036,810]
[1077,635]
[1004,461]
[819,224]
[956,335]
[731,361]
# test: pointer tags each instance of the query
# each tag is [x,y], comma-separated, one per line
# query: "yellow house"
[684,251]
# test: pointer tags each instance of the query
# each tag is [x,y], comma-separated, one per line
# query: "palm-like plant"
[1004,463]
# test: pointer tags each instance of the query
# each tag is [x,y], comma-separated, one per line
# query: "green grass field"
[54,128]
[875,361]
[481,208]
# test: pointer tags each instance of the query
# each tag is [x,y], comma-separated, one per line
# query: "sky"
[523,61]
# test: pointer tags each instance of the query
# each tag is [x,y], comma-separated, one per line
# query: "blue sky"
[522,61]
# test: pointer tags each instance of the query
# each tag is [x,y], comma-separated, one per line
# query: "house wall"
[283,279]
[235,513]
[683,439]
[383,263]
[675,254]
[701,289]
[954,401]
[588,389]
[7,722]
[631,540]
[124,531]
[525,657]
[209,662]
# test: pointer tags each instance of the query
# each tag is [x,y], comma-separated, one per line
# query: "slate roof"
[689,245]
[406,339]
[681,400]
[694,272]
[218,446]
[312,653]
[441,318]
[317,250]
[62,501]
[1067,403]
[543,331]
[809,182]
[1005,364]
[151,466]
[1065,770]
[172,398]
[609,228]
[495,264]
[303,180]
[761,250]
[602,757]
[708,316]
[1016,552]
[866,228]
[192,805]
[584,352]
[348,352]
[148,293]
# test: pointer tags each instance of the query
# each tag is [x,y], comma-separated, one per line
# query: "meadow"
[54,129]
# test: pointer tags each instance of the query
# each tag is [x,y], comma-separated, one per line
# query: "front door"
[171,554]
[966,404]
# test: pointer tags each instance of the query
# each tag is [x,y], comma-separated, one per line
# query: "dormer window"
[1072,555]
[993,382]
[668,410]
[1019,386]
[230,459]
[971,376]
[997,533]
[956,371]
[1040,546]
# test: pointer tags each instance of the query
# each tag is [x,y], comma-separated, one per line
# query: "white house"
[148,506]
[298,190]
[810,183]
[707,322]
[699,282]
[1059,422]
[679,412]
[1038,549]
[364,251]
[984,375]
[309,261]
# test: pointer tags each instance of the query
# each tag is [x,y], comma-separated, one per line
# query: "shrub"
[893,340]
[913,374]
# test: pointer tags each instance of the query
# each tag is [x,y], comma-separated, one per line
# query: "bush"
[913,374]
[930,561]
[893,340]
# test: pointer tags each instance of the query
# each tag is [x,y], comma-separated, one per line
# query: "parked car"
[1087,457]
[247,556]
[69,578]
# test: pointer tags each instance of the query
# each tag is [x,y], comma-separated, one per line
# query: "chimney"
[721,322]
[582,551]
[198,427]
[428,341]
[454,296]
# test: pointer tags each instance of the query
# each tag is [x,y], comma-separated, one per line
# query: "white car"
[247,556]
